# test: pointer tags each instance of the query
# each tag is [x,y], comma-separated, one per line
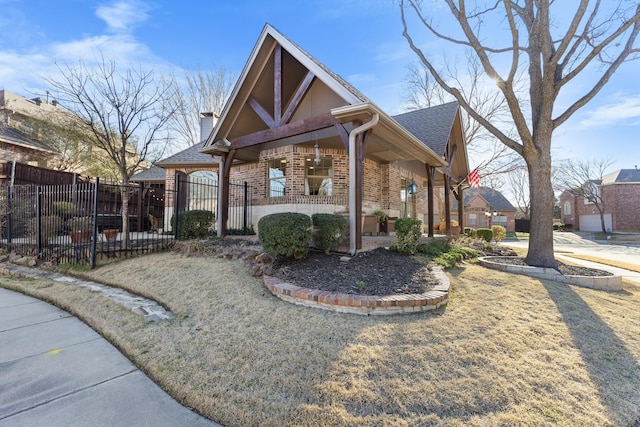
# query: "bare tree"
[201,91]
[519,186]
[125,114]
[597,38]
[583,178]
[422,91]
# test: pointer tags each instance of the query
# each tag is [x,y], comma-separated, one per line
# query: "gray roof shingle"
[12,135]
[154,173]
[622,175]
[431,125]
[191,155]
[495,198]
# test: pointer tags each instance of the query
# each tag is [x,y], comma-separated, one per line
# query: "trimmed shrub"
[485,234]
[65,209]
[285,234]
[408,232]
[331,229]
[469,232]
[51,226]
[499,232]
[195,224]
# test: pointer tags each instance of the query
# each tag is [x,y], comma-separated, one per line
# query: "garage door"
[592,222]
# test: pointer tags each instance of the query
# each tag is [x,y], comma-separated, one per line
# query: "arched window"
[567,208]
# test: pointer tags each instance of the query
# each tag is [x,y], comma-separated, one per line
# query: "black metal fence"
[82,223]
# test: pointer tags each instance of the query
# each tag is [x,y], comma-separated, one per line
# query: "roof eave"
[365,111]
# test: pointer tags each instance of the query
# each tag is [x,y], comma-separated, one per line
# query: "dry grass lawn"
[507,350]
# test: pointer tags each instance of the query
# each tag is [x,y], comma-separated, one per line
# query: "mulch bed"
[377,272]
[567,270]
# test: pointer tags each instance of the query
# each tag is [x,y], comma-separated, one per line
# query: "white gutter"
[353,221]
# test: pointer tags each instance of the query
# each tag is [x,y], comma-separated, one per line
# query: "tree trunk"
[540,252]
[604,227]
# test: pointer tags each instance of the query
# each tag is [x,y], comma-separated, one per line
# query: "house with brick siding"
[307,141]
[485,207]
[620,195]
[15,145]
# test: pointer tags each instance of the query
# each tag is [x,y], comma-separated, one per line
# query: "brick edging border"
[606,283]
[363,304]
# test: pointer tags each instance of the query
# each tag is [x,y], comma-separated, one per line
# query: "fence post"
[39,218]
[9,216]
[176,208]
[245,210]
[94,240]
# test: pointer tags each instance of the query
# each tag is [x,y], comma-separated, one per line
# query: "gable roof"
[494,198]
[315,92]
[13,136]
[191,156]
[622,176]
[431,125]
[153,174]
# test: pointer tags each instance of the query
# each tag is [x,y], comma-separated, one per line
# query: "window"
[567,208]
[318,177]
[473,219]
[276,177]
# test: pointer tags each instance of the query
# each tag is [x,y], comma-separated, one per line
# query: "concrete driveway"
[582,244]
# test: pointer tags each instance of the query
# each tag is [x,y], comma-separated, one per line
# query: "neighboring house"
[620,194]
[15,145]
[309,142]
[484,207]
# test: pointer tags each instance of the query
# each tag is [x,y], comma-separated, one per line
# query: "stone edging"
[607,283]
[150,310]
[363,304]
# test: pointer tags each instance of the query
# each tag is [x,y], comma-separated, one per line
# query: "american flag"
[474,178]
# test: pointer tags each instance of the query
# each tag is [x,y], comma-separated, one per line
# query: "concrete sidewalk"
[56,371]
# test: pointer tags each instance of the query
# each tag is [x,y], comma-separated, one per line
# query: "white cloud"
[122,16]
[623,108]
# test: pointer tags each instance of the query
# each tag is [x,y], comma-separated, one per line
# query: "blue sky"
[361,40]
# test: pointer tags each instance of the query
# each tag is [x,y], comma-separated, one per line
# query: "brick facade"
[621,201]
[381,185]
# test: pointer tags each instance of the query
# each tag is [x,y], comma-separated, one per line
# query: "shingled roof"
[495,198]
[11,135]
[622,176]
[153,174]
[431,125]
[190,156]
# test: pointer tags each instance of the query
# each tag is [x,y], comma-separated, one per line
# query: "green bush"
[408,232]
[51,226]
[485,234]
[66,209]
[499,232]
[453,255]
[470,232]
[434,248]
[382,217]
[78,223]
[285,234]
[194,224]
[331,229]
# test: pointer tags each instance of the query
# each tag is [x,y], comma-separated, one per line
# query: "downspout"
[353,221]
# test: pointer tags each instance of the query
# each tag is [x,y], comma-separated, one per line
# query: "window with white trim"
[318,177]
